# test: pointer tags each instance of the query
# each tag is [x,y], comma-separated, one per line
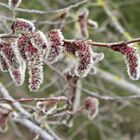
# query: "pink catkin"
[18,75]
[23,26]
[35,68]
[39,41]
[10,54]
[3,65]
[132,60]
[55,47]
[22,44]
[84,56]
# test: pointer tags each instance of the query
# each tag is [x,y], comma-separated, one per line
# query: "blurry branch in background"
[46,12]
[32,126]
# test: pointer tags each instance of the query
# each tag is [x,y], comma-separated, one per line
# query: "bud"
[55,47]
[83,22]
[39,40]
[14,3]
[92,106]
[132,60]
[47,107]
[23,26]
[97,57]
[5,109]
[92,23]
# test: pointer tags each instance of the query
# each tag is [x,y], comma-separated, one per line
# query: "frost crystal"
[55,47]
[23,26]
[14,3]
[132,60]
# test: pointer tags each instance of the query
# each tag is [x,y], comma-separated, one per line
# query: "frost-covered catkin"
[18,75]
[132,60]
[14,3]
[22,43]
[39,41]
[10,54]
[35,68]
[55,47]
[3,65]
[23,26]
[84,56]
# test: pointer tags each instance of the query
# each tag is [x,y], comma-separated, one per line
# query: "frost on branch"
[132,60]
[23,26]
[14,3]
[55,47]
[84,56]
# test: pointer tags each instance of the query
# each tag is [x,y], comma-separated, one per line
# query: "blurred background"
[117,20]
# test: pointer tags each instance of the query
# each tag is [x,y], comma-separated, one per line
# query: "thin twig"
[46,12]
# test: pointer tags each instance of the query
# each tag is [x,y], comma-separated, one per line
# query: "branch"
[27,123]
[46,12]
[120,83]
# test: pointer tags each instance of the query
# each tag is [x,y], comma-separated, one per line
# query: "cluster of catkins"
[32,48]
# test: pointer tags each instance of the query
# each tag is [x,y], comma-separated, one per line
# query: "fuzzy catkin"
[83,53]
[56,46]
[35,68]
[23,26]
[132,60]
[10,54]
[3,65]
[39,40]
[18,75]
